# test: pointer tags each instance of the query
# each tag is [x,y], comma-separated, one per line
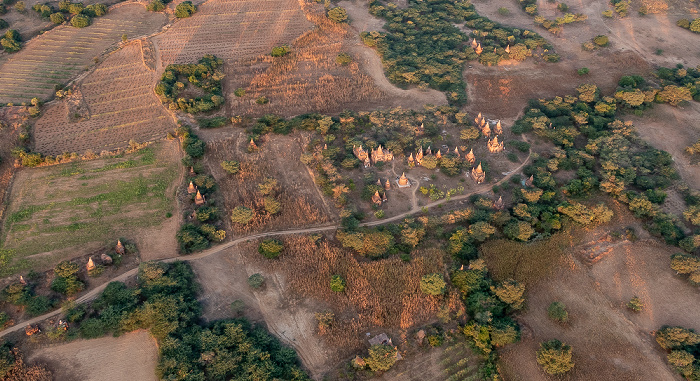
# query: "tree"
[271,248]
[338,14]
[429,162]
[682,361]
[692,214]
[231,167]
[557,312]
[674,95]
[519,52]
[185,9]
[268,187]
[271,205]
[676,337]
[510,292]
[469,133]
[280,51]
[12,41]
[57,18]
[381,357]
[256,280]
[337,283]
[695,25]
[481,231]
[155,6]
[519,230]
[80,21]
[601,40]
[66,269]
[241,215]
[433,284]
[555,357]
[20,6]
[685,263]
[635,304]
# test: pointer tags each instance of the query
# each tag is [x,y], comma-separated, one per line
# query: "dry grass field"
[277,157]
[59,55]
[232,30]
[132,356]
[112,105]
[64,211]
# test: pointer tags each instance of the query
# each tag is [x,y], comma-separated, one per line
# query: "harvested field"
[62,53]
[67,210]
[132,356]
[607,338]
[451,361]
[114,104]
[277,157]
[232,30]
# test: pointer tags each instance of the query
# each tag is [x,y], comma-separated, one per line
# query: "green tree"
[241,215]
[12,41]
[337,283]
[185,9]
[66,269]
[469,133]
[80,21]
[429,162]
[256,280]
[510,292]
[695,25]
[685,263]
[433,284]
[337,14]
[280,51]
[271,248]
[692,214]
[635,304]
[231,167]
[155,6]
[674,95]
[519,230]
[555,357]
[272,205]
[676,337]
[481,231]
[557,312]
[682,361]
[381,357]
[57,18]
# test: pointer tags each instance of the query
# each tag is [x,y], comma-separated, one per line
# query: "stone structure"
[456,151]
[361,155]
[478,49]
[474,43]
[438,155]
[498,204]
[387,185]
[494,145]
[498,130]
[105,259]
[377,199]
[419,156]
[403,181]
[470,157]
[381,154]
[119,248]
[485,129]
[478,174]
[411,160]
[384,199]
[191,188]
[199,199]
[252,144]
[529,181]
[90,265]
[508,48]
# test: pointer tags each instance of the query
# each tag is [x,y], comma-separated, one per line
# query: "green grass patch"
[217,121]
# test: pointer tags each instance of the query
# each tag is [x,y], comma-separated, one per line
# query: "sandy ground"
[672,129]
[223,278]
[130,357]
[609,341]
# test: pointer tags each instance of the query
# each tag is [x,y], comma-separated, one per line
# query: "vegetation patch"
[206,76]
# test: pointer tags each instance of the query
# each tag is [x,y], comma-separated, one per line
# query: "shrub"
[280,51]
[11,42]
[582,71]
[262,100]
[555,357]
[239,92]
[337,283]
[185,9]
[57,18]
[433,284]
[676,337]
[557,312]
[503,11]
[562,7]
[683,23]
[337,14]
[552,57]
[381,357]
[271,248]
[608,13]
[92,328]
[80,21]
[601,40]
[271,205]
[343,59]
[155,6]
[38,305]
[231,167]
[191,239]
[256,281]
[241,215]
[635,304]
[510,292]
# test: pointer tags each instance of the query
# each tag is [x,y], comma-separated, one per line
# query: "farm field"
[57,56]
[114,104]
[232,30]
[132,356]
[63,211]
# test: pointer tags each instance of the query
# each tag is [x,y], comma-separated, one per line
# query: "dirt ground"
[672,129]
[609,341]
[132,356]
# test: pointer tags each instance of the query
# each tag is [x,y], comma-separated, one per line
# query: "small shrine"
[199,199]
[478,174]
[403,181]
[494,145]
[470,157]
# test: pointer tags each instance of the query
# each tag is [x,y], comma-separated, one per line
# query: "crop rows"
[232,30]
[60,54]
[121,103]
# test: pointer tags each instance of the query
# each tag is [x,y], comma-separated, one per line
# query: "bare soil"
[607,338]
[132,356]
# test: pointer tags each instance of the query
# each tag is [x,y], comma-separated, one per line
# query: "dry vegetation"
[60,212]
[62,53]
[113,105]
[277,157]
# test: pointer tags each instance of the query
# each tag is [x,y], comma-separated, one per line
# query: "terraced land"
[232,30]
[57,56]
[115,104]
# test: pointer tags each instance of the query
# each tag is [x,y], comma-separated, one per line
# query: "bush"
[215,122]
[555,357]
[601,40]
[57,18]
[155,6]
[343,59]
[262,100]
[80,21]
[503,11]
[583,71]
[231,167]
[256,281]
[433,284]
[280,51]
[381,357]
[241,215]
[11,42]
[337,14]
[38,305]
[185,9]
[635,304]
[239,92]
[557,312]
[683,23]
[271,248]
[337,283]
[191,239]
[92,328]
